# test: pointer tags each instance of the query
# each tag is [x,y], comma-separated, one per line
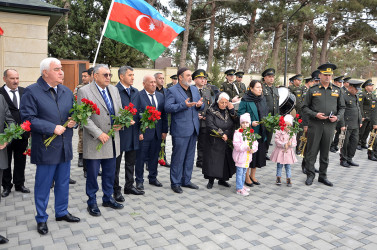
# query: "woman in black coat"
[218,162]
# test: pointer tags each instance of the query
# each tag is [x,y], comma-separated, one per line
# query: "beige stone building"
[26,24]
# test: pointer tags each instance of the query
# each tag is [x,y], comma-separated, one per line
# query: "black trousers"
[364,132]
[129,166]
[349,146]
[15,151]
[202,137]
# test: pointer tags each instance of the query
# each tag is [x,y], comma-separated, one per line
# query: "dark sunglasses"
[107,75]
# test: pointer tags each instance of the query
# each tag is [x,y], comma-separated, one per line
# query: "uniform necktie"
[15,102]
[201,92]
[108,103]
[128,91]
[153,102]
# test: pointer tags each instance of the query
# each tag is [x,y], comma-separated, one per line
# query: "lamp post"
[286,41]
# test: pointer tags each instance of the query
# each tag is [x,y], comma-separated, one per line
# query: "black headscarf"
[260,102]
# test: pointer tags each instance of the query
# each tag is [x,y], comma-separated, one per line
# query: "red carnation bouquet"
[149,118]
[14,131]
[28,148]
[80,114]
[249,135]
[124,118]
[161,155]
[295,128]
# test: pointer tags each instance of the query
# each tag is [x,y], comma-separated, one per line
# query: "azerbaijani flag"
[139,25]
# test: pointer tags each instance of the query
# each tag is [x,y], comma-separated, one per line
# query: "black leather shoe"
[352,163]
[191,185]
[113,205]
[94,210]
[255,182]
[155,183]
[133,191]
[309,181]
[3,240]
[42,228]
[6,192]
[333,150]
[210,185]
[118,196]
[358,147]
[139,186]
[325,181]
[68,218]
[177,189]
[224,183]
[22,189]
[72,181]
[345,164]
[249,184]
[372,158]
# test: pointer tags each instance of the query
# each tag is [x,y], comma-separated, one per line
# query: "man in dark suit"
[46,104]
[150,141]
[129,137]
[183,102]
[12,94]
[5,118]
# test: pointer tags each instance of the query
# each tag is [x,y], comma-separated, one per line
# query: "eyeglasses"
[107,75]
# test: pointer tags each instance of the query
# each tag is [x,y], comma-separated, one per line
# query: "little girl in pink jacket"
[284,153]
[242,154]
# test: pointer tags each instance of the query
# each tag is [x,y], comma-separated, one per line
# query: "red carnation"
[130,105]
[98,111]
[161,162]
[251,130]
[26,126]
[282,128]
[297,115]
[299,120]
[240,130]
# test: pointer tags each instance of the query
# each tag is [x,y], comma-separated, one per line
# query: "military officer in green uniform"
[367,104]
[296,89]
[352,122]
[372,154]
[199,77]
[230,86]
[271,94]
[324,106]
[346,82]
[338,81]
[174,79]
[240,85]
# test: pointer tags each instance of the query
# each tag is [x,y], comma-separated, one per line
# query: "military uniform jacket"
[367,104]
[232,89]
[321,100]
[205,93]
[272,98]
[352,114]
[297,91]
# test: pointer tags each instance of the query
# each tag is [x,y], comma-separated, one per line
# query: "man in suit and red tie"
[12,94]
[150,141]
[183,101]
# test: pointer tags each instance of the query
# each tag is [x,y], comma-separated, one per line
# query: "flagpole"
[103,32]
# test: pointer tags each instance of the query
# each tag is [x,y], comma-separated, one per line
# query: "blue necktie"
[128,91]
[153,102]
[108,103]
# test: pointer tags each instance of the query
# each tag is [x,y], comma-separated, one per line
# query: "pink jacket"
[280,154]
[241,156]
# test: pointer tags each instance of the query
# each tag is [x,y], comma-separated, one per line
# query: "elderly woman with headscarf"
[218,162]
[254,103]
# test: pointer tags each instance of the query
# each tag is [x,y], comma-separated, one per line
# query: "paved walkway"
[272,217]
